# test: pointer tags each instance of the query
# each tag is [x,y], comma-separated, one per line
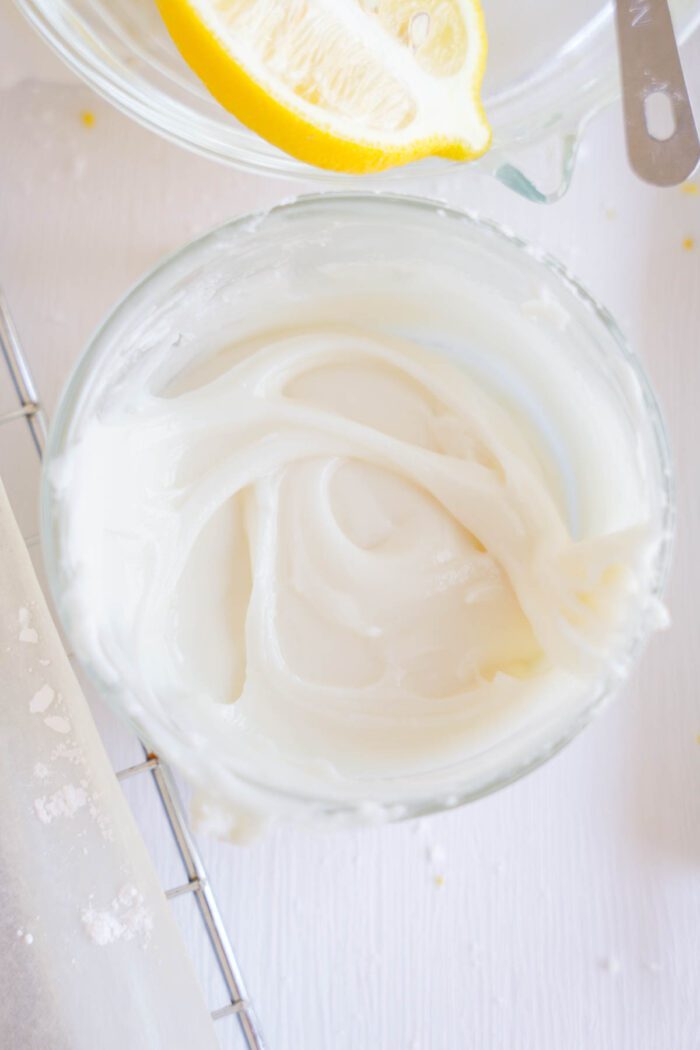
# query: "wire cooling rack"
[29,412]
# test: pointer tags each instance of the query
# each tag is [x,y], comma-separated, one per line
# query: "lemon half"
[349,85]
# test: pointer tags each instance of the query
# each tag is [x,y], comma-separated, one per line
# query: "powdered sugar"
[125,919]
[612,965]
[436,856]
[103,927]
[63,803]
[27,633]
[73,754]
[42,700]
[57,723]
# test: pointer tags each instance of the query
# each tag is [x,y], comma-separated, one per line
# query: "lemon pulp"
[348,85]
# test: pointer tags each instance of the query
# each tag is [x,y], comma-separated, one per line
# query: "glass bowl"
[552,66]
[205,291]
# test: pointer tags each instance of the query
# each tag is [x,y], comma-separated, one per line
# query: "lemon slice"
[350,85]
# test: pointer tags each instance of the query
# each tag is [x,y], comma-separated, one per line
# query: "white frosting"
[337,558]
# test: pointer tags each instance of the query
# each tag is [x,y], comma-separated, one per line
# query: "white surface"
[570,910]
[88,942]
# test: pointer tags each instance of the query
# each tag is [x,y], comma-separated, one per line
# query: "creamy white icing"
[338,559]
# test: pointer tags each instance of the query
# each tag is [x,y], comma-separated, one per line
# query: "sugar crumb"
[27,633]
[42,700]
[63,803]
[102,926]
[70,753]
[125,919]
[57,723]
[436,856]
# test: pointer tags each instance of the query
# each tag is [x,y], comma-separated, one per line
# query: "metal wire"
[197,883]
[21,379]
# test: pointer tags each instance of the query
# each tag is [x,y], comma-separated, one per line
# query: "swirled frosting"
[335,555]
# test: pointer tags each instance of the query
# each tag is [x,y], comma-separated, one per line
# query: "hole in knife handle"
[660,115]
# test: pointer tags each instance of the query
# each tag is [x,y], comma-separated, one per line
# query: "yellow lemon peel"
[354,86]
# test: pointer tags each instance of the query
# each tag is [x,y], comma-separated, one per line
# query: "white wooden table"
[568,917]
